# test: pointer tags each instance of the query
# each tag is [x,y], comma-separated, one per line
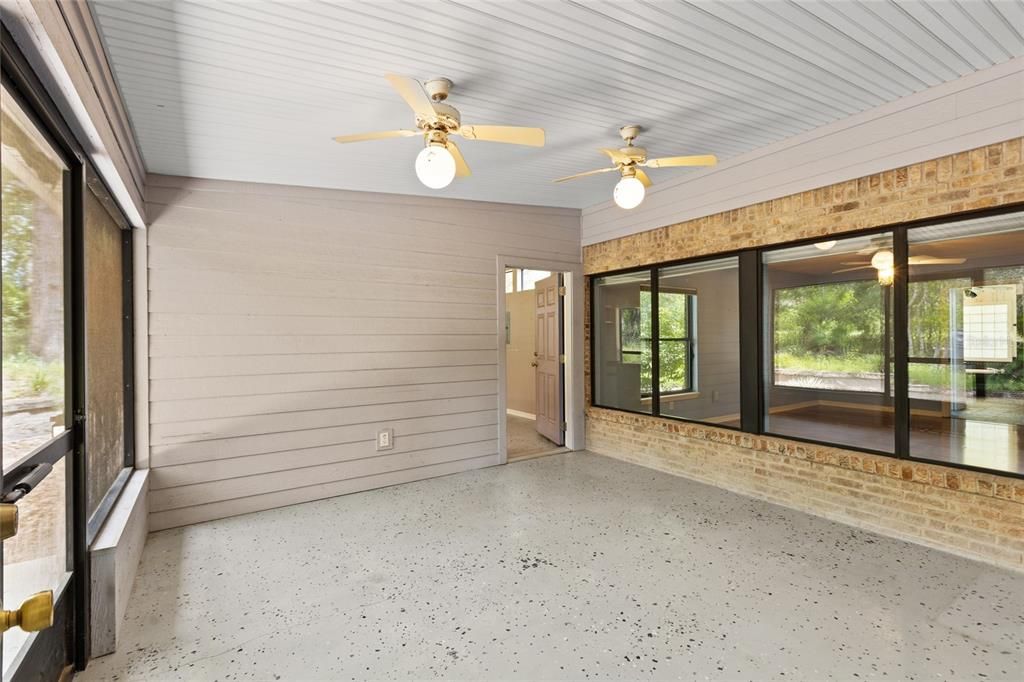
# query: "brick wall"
[972,514]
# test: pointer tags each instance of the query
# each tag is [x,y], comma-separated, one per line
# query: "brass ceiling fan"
[440,161]
[630,161]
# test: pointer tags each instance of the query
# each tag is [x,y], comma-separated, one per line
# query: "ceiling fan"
[440,160]
[629,160]
[882,261]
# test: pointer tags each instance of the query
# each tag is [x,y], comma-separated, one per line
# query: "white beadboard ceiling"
[254,90]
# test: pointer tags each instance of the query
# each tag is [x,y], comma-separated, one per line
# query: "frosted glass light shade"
[629,192]
[435,167]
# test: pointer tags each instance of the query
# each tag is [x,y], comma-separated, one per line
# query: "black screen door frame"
[68,640]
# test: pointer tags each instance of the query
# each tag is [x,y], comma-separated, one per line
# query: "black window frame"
[752,334]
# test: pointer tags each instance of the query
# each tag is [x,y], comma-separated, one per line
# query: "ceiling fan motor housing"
[446,118]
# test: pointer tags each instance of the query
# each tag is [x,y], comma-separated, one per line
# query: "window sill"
[673,397]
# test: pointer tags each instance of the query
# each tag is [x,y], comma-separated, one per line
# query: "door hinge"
[561,291]
[564,426]
[561,358]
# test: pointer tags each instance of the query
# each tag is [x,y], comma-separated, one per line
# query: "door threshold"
[535,455]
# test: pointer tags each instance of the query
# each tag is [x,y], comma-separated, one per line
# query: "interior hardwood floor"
[977,443]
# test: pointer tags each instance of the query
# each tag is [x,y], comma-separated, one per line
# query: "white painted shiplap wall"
[972,111]
[287,325]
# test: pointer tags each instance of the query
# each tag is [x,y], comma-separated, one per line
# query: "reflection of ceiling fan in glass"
[882,261]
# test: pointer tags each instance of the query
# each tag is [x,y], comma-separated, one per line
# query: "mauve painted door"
[548,351]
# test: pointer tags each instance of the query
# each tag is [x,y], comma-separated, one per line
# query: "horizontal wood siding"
[288,325]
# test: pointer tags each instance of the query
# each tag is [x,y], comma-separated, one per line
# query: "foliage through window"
[675,313]
[830,335]
[674,341]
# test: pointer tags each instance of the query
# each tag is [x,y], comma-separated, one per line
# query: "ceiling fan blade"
[414,95]
[614,154]
[670,161]
[531,137]
[859,267]
[856,262]
[642,177]
[461,169]
[584,174]
[382,135]
[932,260]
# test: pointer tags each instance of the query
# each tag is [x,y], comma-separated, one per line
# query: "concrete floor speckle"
[573,566]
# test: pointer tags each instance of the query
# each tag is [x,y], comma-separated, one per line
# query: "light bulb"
[882,260]
[435,166]
[886,276]
[629,192]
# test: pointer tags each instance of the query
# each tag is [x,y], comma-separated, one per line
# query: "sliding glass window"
[699,338]
[966,354]
[828,342]
[623,347]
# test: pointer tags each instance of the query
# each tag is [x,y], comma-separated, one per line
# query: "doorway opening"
[535,362]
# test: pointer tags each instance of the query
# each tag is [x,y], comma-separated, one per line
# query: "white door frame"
[572,329]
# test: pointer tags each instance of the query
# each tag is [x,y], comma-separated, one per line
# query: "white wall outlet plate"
[385,439]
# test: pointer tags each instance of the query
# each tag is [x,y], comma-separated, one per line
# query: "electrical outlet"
[385,439]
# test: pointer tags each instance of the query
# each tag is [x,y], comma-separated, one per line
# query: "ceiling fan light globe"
[882,260]
[825,246]
[435,167]
[629,192]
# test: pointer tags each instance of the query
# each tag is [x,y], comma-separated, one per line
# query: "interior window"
[966,365]
[828,337]
[699,344]
[623,360]
[675,340]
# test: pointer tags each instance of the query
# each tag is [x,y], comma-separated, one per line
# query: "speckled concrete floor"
[567,567]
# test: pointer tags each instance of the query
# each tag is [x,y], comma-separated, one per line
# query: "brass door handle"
[8,520]
[36,613]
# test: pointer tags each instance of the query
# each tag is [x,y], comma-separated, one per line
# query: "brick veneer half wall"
[978,515]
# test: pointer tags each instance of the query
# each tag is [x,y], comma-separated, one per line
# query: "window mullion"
[655,346]
[900,340]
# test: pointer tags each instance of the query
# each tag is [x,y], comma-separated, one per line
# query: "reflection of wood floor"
[977,443]
[523,439]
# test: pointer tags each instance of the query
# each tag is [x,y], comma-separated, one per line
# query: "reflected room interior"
[966,359]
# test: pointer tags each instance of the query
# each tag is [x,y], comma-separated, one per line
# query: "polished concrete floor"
[573,566]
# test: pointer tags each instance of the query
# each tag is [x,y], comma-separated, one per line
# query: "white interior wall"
[287,325]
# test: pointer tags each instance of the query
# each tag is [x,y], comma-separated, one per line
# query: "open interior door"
[548,349]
